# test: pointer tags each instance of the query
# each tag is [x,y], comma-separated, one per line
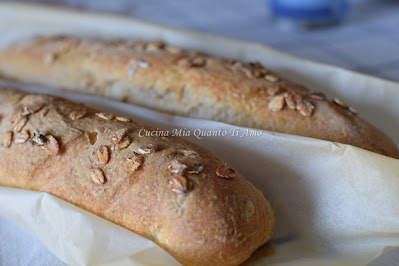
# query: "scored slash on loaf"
[189,83]
[173,192]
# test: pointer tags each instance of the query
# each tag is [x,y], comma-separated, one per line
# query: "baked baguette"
[181,196]
[191,84]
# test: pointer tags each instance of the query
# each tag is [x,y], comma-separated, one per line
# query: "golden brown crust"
[191,84]
[163,188]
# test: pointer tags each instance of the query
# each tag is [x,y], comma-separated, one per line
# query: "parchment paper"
[335,204]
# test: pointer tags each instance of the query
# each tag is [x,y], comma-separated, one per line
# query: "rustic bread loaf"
[181,196]
[189,83]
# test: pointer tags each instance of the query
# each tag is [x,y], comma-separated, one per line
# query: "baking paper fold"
[335,204]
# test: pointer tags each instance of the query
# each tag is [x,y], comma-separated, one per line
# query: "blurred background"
[360,35]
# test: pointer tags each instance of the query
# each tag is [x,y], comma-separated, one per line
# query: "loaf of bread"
[189,83]
[175,193]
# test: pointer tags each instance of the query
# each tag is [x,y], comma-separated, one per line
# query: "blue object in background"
[308,13]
